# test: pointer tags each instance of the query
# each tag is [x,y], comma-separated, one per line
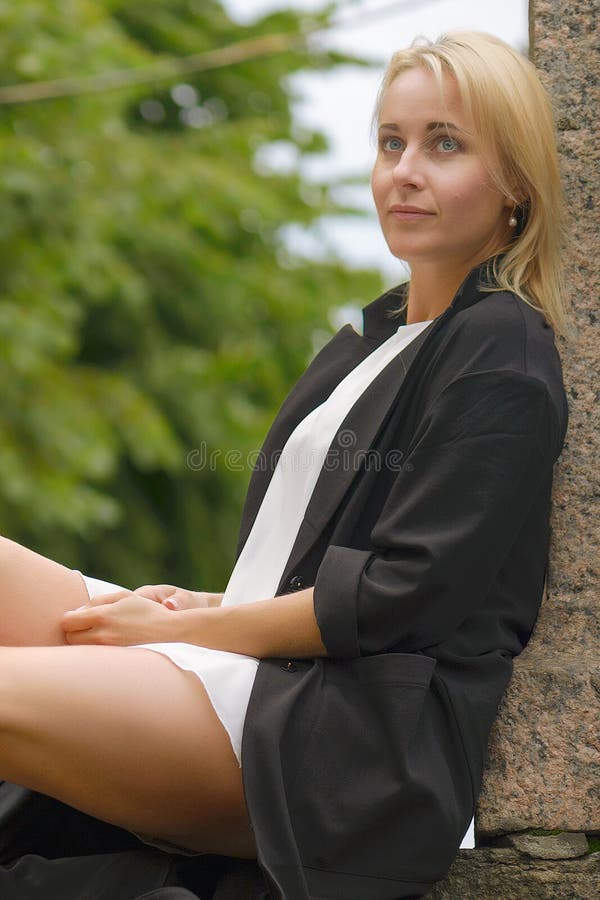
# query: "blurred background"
[184,221]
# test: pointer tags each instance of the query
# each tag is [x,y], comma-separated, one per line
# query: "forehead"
[414,97]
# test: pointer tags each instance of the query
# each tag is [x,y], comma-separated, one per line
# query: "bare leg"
[35,592]
[126,736]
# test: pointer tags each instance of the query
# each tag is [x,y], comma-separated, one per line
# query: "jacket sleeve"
[466,484]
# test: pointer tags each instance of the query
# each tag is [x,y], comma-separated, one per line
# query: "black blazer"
[426,540]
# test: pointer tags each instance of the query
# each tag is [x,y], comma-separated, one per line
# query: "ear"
[515,199]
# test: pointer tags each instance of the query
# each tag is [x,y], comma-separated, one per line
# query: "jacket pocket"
[394,685]
[394,668]
[353,777]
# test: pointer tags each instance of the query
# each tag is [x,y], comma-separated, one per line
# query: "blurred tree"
[151,317]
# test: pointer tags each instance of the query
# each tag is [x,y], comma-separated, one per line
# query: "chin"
[411,256]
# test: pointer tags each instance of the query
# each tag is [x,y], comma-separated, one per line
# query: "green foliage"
[544,832]
[593,843]
[148,308]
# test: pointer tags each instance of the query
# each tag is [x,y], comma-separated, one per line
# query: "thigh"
[124,735]
[35,592]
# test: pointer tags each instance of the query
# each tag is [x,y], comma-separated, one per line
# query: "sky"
[340,103]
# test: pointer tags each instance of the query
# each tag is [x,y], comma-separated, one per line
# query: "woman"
[410,543]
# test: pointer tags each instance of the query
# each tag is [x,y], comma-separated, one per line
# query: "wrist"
[174,628]
[219,628]
[198,625]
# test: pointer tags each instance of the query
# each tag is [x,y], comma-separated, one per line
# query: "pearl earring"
[513,220]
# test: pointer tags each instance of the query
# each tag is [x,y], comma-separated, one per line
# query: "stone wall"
[543,769]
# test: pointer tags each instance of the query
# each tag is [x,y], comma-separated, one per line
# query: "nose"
[408,171]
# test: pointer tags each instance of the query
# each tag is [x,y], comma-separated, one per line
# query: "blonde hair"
[513,116]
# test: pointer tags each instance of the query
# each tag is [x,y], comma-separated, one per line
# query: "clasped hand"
[132,617]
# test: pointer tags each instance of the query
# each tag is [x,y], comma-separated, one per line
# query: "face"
[434,197]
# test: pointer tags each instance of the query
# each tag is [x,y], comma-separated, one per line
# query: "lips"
[409,212]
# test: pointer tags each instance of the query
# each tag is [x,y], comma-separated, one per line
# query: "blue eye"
[448,144]
[391,143]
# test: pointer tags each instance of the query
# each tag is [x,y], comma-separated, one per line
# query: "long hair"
[514,120]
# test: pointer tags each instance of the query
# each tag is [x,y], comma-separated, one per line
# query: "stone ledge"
[507,874]
[566,845]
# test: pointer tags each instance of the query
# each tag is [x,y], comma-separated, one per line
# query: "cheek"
[379,187]
[472,195]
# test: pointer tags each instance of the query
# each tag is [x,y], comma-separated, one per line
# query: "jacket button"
[289,666]
[296,583]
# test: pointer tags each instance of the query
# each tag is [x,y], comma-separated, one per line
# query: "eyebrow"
[432,126]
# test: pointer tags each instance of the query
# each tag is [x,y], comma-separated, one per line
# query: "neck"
[432,289]
[433,286]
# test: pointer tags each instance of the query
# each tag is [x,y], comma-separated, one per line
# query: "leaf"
[144,312]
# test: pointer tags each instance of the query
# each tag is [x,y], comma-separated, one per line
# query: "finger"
[88,636]
[156,592]
[104,599]
[80,619]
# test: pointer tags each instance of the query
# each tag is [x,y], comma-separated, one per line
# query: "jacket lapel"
[350,445]
[346,349]
[367,417]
